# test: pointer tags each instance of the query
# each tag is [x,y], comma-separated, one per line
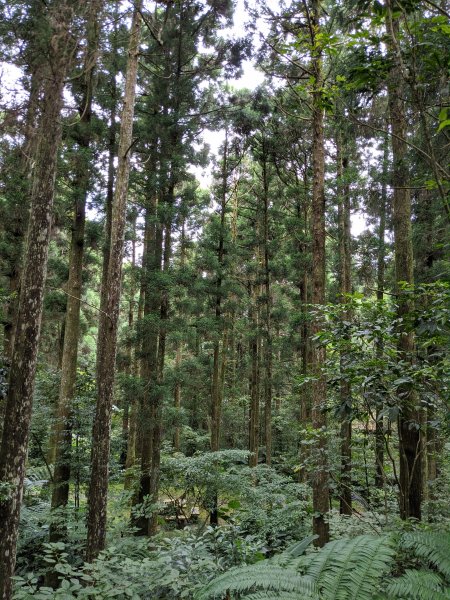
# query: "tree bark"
[62,434]
[379,424]
[267,315]
[345,390]
[23,364]
[319,421]
[254,350]
[108,324]
[409,418]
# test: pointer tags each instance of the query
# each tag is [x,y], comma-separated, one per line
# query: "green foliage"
[343,569]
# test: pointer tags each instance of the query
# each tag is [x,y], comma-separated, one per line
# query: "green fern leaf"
[263,576]
[418,585]
[431,546]
[351,569]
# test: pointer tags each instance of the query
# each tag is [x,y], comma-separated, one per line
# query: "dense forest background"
[225,367]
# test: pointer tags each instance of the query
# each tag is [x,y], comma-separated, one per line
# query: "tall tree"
[59,18]
[320,476]
[409,419]
[108,324]
[62,436]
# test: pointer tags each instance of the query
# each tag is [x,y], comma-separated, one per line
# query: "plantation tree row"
[150,320]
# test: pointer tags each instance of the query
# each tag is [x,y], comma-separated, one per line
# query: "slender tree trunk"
[254,348]
[149,362]
[129,404]
[108,324]
[320,476]
[112,155]
[216,407]
[158,397]
[379,424]
[345,390]
[267,317]
[177,398]
[23,365]
[62,434]
[409,418]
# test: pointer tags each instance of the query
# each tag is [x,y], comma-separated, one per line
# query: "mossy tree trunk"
[24,356]
[108,323]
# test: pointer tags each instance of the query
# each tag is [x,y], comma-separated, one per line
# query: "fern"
[272,580]
[351,569]
[418,585]
[431,546]
[274,596]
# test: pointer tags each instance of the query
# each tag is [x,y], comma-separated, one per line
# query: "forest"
[225,299]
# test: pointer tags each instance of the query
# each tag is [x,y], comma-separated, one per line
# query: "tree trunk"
[254,348]
[319,421]
[23,364]
[158,396]
[345,390]
[149,362]
[267,317]
[379,424]
[108,324]
[62,434]
[409,418]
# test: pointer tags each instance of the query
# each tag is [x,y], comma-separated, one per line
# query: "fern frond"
[262,576]
[274,596]
[351,569]
[431,546]
[418,585]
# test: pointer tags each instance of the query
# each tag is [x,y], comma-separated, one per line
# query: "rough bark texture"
[320,476]
[21,210]
[409,418]
[107,335]
[23,364]
[62,434]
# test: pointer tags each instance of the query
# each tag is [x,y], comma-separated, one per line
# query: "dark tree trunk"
[254,350]
[320,476]
[409,417]
[23,364]
[267,315]
[149,362]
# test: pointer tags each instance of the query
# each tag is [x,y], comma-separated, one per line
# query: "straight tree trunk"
[23,365]
[321,501]
[345,390]
[21,211]
[254,348]
[62,434]
[149,363]
[267,317]
[129,407]
[379,421]
[409,417]
[158,397]
[108,324]
[216,408]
